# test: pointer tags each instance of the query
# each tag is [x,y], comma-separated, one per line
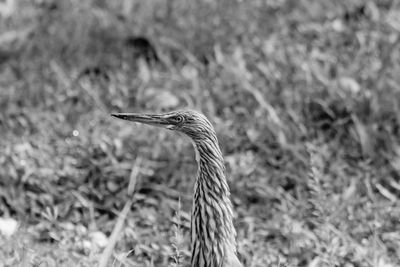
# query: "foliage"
[303,95]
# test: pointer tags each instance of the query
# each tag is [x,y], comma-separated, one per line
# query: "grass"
[303,95]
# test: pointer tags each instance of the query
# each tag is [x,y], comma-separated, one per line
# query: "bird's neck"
[213,233]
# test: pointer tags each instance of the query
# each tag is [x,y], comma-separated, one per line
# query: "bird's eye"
[177,119]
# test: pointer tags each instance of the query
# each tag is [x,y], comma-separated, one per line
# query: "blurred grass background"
[304,96]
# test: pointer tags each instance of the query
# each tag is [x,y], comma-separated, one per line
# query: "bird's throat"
[213,234]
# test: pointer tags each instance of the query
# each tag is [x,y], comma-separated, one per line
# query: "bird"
[213,235]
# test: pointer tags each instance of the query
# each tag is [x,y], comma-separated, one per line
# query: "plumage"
[213,236]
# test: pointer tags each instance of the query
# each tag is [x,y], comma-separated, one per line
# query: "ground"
[304,97]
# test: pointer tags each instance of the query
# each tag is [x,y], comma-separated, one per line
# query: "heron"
[213,235]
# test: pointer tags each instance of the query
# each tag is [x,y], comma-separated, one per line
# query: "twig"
[105,256]
[386,193]
[133,176]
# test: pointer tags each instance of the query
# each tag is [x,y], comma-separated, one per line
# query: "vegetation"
[304,96]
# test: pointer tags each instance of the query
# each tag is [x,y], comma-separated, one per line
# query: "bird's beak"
[151,119]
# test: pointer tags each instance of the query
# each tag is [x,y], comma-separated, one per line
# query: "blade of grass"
[105,256]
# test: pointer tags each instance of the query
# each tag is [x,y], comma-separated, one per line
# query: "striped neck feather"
[213,234]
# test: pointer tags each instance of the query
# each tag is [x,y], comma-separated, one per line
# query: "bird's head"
[192,123]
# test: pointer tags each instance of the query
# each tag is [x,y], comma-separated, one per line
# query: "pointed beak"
[151,119]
